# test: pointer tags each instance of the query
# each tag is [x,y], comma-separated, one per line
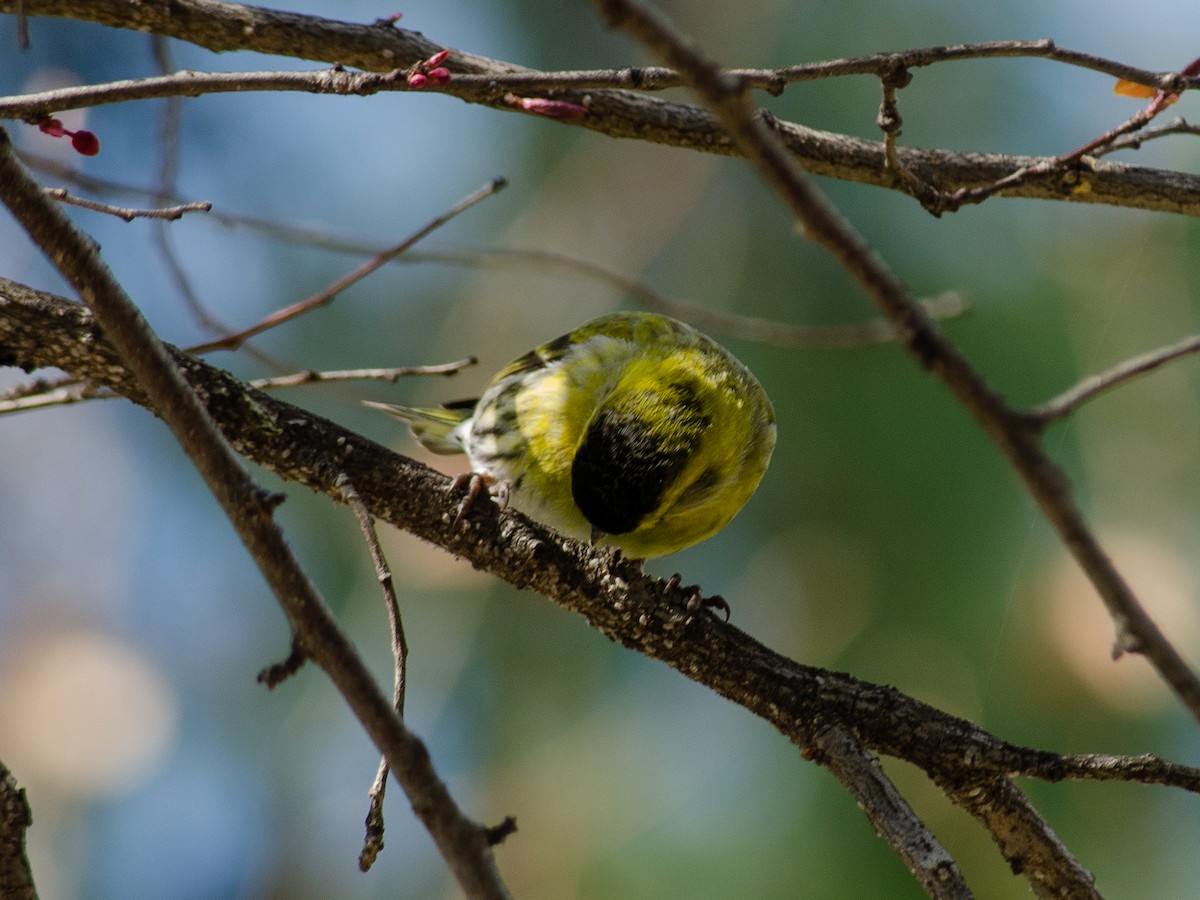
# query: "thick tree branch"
[832,718]
[383,48]
[1026,841]
[462,843]
[39,329]
[16,879]
[890,815]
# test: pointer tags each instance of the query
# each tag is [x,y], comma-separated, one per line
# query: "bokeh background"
[888,539]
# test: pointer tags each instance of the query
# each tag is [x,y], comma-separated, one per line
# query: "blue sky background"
[888,540]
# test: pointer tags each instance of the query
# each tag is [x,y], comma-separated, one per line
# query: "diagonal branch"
[890,814]
[1024,838]
[462,843]
[39,329]
[1013,432]
[1071,399]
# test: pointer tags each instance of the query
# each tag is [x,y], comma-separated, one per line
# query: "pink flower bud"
[553,109]
[436,60]
[417,80]
[439,77]
[52,127]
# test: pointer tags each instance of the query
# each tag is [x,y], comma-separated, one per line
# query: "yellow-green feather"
[435,429]
[686,394]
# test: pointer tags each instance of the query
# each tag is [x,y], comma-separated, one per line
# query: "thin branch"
[1011,431]
[749,328]
[462,843]
[22,25]
[373,842]
[490,87]
[126,212]
[63,392]
[37,386]
[834,337]
[312,376]
[765,331]
[1144,769]
[169,131]
[382,48]
[73,392]
[1178,125]
[1086,389]
[233,341]
[1061,165]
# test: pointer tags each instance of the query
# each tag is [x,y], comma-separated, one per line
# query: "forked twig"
[1071,399]
[373,841]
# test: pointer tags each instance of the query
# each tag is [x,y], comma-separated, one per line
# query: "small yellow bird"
[635,430]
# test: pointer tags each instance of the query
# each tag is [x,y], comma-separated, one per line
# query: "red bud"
[85,142]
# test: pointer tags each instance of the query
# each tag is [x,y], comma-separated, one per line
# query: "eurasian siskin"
[635,430]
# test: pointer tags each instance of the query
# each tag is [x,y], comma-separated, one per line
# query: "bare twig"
[491,87]
[779,334]
[749,328]
[1058,164]
[373,842]
[37,386]
[1072,398]
[620,113]
[1178,125]
[72,392]
[169,131]
[462,843]
[22,26]
[878,331]
[312,376]
[63,392]
[233,341]
[129,213]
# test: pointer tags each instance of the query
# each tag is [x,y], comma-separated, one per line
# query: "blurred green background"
[888,539]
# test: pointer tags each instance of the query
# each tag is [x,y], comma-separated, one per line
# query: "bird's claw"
[696,599]
[478,483]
